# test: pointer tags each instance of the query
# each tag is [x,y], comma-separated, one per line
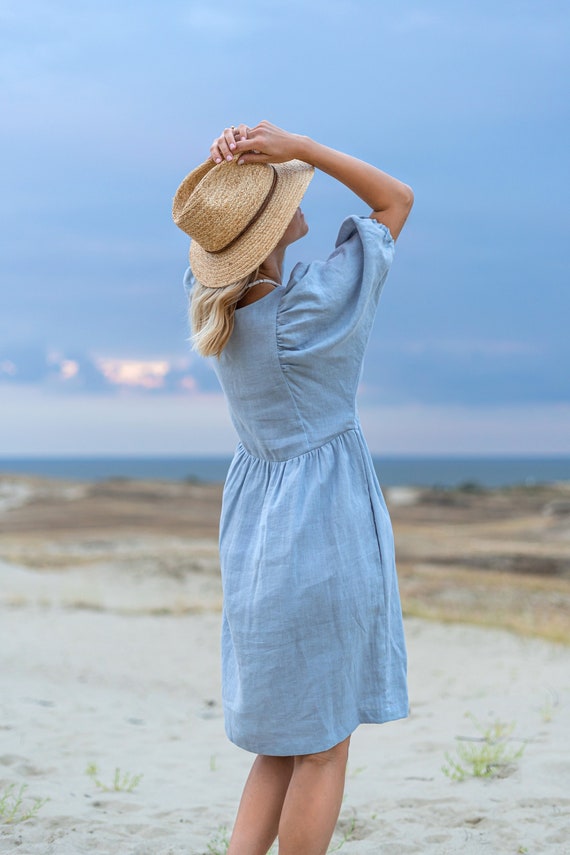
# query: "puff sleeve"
[188,282]
[329,304]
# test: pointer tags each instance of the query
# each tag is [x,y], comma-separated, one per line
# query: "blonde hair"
[212,314]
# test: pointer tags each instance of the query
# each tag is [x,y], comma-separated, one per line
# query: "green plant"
[346,835]
[548,707]
[125,783]
[352,773]
[11,804]
[219,843]
[485,756]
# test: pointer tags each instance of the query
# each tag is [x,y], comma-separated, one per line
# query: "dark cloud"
[109,105]
[475,374]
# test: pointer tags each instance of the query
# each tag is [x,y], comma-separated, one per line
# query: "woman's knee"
[276,761]
[337,754]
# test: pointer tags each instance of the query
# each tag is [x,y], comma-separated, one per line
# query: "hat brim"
[214,270]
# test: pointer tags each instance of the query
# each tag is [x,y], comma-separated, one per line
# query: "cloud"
[542,429]
[73,372]
[37,422]
[404,371]
[471,372]
[108,104]
[148,374]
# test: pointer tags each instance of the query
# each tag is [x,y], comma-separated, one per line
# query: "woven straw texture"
[214,203]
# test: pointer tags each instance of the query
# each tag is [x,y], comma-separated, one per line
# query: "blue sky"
[106,106]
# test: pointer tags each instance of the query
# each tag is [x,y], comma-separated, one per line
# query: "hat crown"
[216,210]
[236,215]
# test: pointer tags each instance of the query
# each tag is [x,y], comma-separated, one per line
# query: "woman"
[312,637]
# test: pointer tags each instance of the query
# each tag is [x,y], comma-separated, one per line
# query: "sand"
[109,655]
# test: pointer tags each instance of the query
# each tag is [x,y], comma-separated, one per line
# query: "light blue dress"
[312,635]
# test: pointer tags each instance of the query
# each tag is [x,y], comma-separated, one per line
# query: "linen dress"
[312,636]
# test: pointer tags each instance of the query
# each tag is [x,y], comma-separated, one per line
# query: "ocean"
[392,471]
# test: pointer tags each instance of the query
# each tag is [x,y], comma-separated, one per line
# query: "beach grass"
[220,840]
[123,782]
[13,808]
[487,756]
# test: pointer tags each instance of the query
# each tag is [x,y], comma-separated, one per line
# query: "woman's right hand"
[265,143]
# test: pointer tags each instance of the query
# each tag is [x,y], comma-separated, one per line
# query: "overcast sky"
[106,106]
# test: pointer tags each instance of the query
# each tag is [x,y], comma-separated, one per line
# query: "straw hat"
[236,215]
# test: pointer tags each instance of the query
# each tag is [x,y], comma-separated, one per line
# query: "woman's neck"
[272,267]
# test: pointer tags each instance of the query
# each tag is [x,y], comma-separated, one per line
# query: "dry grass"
[528,605]
[496,558]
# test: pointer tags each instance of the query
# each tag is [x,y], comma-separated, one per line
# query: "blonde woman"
[312,635]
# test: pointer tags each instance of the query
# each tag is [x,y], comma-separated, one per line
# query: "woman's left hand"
[224,146]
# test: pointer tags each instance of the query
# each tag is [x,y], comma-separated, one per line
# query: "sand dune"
[109,655]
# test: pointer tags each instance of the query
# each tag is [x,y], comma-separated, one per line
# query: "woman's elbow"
[406,197]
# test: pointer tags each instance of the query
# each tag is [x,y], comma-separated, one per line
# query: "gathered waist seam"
[328,441]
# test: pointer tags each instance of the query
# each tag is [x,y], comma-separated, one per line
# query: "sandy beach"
[109,659]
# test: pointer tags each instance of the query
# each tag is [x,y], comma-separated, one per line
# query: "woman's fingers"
[264,143]
[223,146]
[215,151]
[224,141]
[226,145]
[230,140]
[275,144]
[249,149]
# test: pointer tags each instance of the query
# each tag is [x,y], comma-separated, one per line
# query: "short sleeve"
[335,298]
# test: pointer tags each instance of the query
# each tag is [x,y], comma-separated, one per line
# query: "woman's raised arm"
[391,200]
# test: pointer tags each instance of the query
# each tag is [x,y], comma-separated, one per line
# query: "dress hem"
[306,749]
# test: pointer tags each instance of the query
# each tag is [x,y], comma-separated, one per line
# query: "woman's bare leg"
[313,800]
[260,806]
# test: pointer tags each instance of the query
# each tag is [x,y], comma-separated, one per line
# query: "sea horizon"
[483,470]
